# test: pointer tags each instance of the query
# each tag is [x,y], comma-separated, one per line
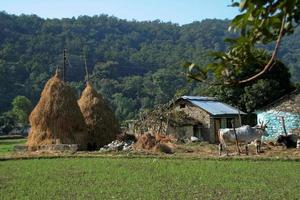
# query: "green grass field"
[6,145]
[148,178]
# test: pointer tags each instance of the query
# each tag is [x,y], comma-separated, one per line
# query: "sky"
[176,11]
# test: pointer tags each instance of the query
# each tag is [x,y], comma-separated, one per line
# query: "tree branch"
[273,57]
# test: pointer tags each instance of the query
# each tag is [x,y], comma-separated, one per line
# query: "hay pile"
[158,143]
[99,118]
[57,119]
[145,142]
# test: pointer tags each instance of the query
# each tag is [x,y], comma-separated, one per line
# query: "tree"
[120,56]
[261,21]
[248,97]
[7,122]
[21,108]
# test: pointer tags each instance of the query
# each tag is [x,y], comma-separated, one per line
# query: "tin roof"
[212,105]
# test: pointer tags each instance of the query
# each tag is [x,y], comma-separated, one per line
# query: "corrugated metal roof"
[199,98]
[212,106]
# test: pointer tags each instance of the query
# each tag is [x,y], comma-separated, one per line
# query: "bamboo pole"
[86,70]
[64,66]
[240,118]
[283,125]
[236,139]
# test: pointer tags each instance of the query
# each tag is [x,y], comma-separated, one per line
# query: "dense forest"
[135,65]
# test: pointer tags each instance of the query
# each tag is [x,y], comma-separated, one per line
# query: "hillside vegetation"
[135,65]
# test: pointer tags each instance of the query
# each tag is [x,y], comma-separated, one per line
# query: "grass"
[148,178]
[6,145]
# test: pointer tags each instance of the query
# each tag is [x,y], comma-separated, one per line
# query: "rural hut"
[189,116]
[285,110]
[57,118]
[201,117]
[100,120]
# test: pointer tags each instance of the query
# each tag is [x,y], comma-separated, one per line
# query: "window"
[182,105]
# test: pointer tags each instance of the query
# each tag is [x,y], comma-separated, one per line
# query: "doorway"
[197,131]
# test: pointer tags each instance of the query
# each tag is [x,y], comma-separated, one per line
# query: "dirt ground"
[212,150]
[191,150]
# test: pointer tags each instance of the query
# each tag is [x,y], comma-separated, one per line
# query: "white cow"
[245,134]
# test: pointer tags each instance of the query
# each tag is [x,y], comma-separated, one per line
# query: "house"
[286,107]
[201,117]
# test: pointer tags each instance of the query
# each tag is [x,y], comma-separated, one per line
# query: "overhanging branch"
[273,57]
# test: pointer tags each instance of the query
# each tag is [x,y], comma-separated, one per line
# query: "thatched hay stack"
[57,118]
[102,125]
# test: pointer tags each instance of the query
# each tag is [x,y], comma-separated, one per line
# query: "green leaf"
[235,4]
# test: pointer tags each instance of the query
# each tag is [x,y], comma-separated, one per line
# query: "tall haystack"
[101,122]
[57,118]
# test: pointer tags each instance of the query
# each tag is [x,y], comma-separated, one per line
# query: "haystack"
[101,122]
[57,118]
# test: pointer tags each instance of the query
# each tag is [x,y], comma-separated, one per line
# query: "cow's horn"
[259,122]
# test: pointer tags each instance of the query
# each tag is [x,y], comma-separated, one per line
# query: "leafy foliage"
[21,108]
[272,85]
[7,122]
[260,22]
[135,65]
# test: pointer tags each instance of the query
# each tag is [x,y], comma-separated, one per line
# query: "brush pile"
[57,118]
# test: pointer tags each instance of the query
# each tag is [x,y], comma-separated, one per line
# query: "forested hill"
[133,64]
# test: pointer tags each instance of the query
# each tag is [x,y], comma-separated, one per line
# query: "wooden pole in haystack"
[236,139]
[86,70]
[64,66]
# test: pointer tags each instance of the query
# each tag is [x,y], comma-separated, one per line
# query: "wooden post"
[236,139]
[240,119]
[64,66]
[167,126]
[86,70]
[160,124]
[283,125]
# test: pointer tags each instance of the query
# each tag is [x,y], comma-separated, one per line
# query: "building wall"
[195,112]
[289,108]
[207,121]
[200,115]
[181,132]
[292,121]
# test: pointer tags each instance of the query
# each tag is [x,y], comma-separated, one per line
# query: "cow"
[245,134]
[287,141]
